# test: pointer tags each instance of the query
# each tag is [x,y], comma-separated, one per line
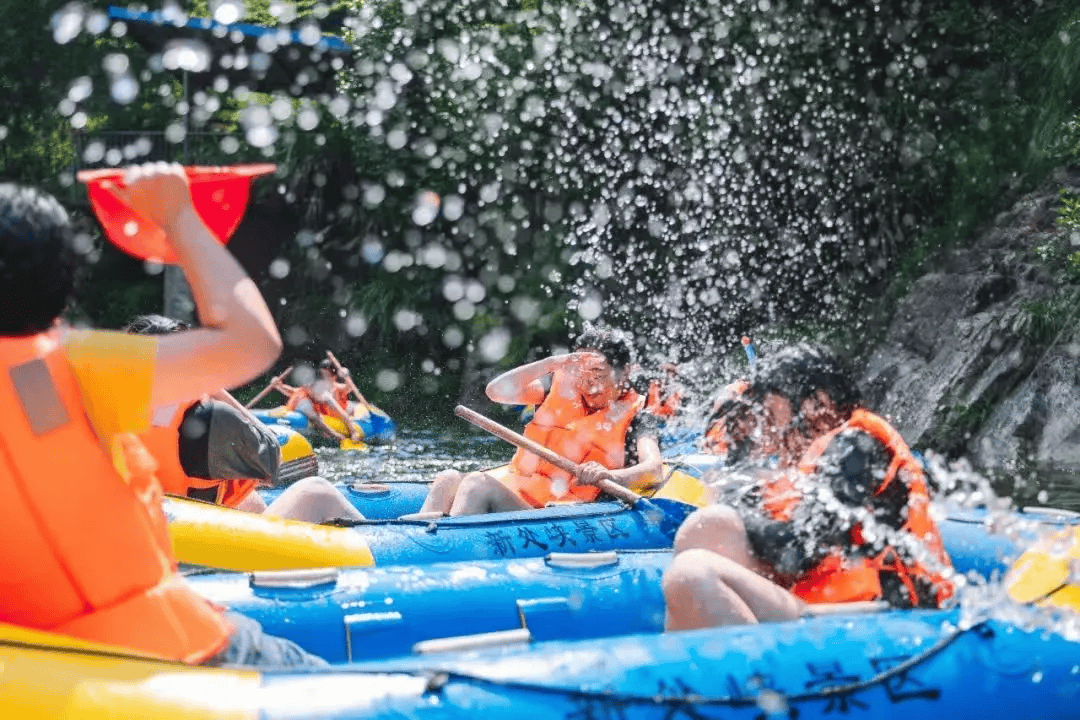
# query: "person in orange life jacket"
[71,401]
[665,392]
[321,397]
[215,450]
[587,414]
[837,512]
[731,423]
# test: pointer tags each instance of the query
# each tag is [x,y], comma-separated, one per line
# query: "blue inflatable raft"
[376,500]
[354,614]
[377,427]
[216,537]
[890,666]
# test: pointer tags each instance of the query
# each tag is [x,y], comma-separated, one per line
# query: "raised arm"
[524,384]
[238,339]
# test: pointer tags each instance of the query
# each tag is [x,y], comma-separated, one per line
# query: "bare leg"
[443,489]
[480,493]
[703,589]
[313,500]
[253,503]
[719,529]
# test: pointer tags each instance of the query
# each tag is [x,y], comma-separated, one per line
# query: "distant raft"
[375,425]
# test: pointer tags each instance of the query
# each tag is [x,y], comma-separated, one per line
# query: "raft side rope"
[439,679]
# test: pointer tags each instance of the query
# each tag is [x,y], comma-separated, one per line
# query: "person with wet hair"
[836,510]
[84,545]
[587,413]
[216,451]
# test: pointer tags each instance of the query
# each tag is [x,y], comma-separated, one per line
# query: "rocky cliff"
[982,355]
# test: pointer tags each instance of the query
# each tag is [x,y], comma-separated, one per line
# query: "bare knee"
[710,528]
[699,592]
[688,577]
[314,486]
[476,485]
[447,477]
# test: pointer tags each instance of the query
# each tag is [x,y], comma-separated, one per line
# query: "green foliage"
[1045,320]
[947,108]
[955,426]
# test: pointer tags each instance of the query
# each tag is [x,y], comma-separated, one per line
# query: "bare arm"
[649,464]
[523,385]
[327,397]
[238,339]
[225,397]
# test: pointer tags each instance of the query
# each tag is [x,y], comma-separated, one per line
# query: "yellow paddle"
[1049,572]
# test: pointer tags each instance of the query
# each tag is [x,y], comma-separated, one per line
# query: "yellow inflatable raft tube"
[219,537]
[59,677]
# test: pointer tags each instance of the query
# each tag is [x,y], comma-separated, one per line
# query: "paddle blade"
[1044,568]
[348,444]
[220,196]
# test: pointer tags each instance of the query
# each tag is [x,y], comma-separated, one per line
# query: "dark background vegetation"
[890,132]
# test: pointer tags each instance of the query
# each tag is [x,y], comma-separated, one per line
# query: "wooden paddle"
[269,387]
[611,488]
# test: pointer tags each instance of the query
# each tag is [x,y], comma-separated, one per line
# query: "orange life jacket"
[660,404]
[562,424]
[343,395]
[301,394]
[339,391]
[86,552]
[163,442]
[839,578]
[717,441]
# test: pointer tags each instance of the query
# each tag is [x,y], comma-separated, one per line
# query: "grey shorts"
[249,646]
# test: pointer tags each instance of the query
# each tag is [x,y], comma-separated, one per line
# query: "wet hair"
[327,365]
[612,344]
[798,371]
[37,260]
[154,325]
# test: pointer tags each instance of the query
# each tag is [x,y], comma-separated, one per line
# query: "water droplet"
[494,345]
[590,307]
[80,89]
[453,207]
[94,152]
[355,324]
[426,208]
[310,34]
[67,22]
[186,54]
[387,380]
[228,12]
[123,88]
[453,337]
[307,119]
[279,268]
